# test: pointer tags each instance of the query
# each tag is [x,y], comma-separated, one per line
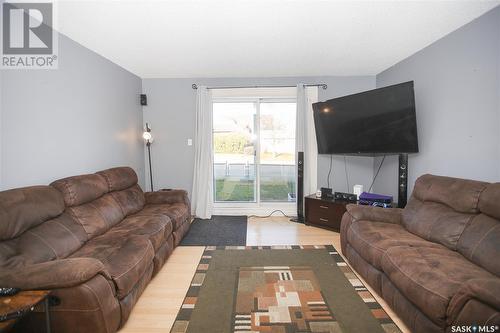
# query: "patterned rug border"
[184,315]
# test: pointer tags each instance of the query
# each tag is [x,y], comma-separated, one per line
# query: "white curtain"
[202,200]
[306,136]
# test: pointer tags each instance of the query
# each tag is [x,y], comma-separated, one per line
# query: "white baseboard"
[258,211]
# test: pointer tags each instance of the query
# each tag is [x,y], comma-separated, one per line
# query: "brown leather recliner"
[437,261]
[95,240]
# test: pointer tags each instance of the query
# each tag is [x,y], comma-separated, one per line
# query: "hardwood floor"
[158,306]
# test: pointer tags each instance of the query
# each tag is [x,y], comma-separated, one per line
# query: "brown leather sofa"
[95,240]
[437,261]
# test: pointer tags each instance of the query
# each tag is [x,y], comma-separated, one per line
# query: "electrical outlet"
[190,142]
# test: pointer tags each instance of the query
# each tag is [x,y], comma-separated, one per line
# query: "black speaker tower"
[402,180]
[300,188]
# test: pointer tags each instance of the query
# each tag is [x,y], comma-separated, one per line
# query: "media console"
[327,212]
[324,212]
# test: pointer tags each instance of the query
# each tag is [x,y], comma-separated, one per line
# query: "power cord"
[329,171]
[270,214]
[373,182]
[346,174]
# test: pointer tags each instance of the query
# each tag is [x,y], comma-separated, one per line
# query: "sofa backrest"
[459,214]
[123,187]
[480,241]
[101,200]
[24,208]
[440,208]
[33,227]
[43,223]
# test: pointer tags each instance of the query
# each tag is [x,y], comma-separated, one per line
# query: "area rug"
[278,289]
[217,231]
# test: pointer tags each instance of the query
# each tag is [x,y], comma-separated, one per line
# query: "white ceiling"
[236,38]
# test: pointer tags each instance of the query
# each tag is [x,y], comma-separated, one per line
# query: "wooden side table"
[324,213]
[22,303]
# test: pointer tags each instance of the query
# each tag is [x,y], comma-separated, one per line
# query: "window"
[254,150]
[234,141]
[277,151]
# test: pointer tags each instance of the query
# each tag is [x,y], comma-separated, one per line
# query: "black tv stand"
[402,180]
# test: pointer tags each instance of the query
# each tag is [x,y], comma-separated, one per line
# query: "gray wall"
[457,92]
[1,117]
[171,113]
[81,118]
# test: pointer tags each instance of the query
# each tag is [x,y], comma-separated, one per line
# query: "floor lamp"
[149,140]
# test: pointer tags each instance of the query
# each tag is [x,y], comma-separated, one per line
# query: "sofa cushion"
[25,208]
[177,212]
[97,216]
[435,221]
[53,274]
[461,195]
[440,208]
[119,178]
[480,243]
[488,201]
[125,258]
[78,190]
[54,239]
[131,200]
[372,239]
[157,228]
[429,276]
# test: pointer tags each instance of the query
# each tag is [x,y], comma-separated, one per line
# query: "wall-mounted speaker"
[144,99]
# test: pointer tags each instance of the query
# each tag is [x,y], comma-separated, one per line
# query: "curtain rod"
[322,85]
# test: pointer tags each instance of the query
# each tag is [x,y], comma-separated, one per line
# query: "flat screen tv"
[375,122]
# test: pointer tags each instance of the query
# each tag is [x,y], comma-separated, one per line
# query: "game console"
[374,199]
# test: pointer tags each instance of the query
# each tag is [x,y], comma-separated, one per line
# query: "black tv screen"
[380,121]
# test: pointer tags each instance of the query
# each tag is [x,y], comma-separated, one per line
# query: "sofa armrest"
[486,291]
[378,214]
[167,197]
[53,274]
[370,213]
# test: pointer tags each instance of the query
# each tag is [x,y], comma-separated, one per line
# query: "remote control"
[14,315]
[9,291]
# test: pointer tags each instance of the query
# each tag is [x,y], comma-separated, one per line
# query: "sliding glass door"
[254,151]
[234,140]
[277,151]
